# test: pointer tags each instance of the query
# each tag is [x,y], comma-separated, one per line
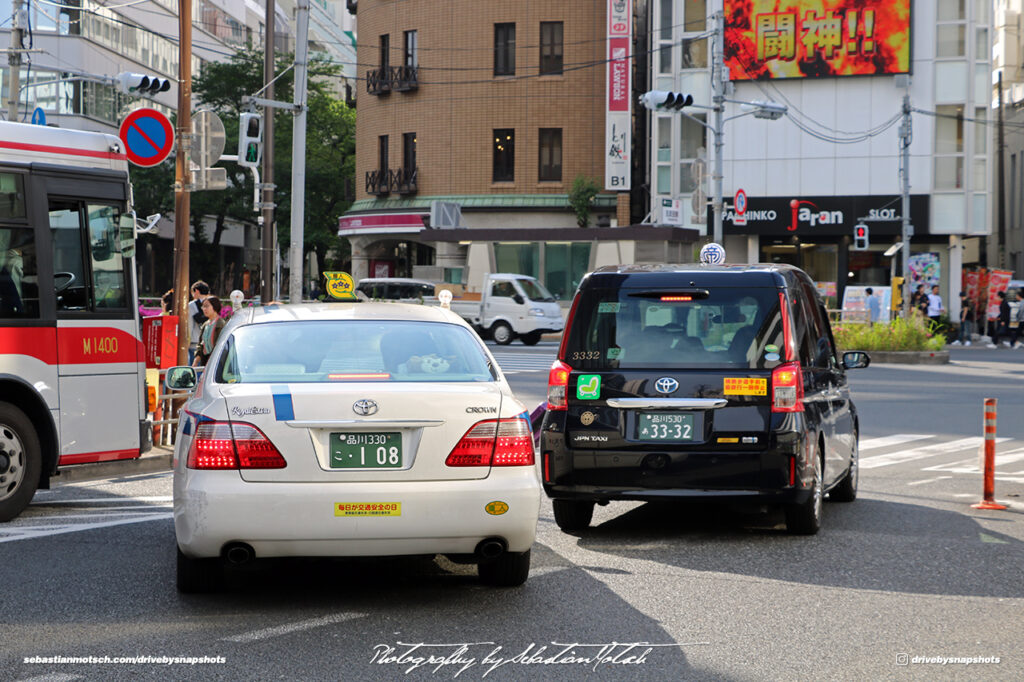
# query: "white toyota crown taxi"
[351,429]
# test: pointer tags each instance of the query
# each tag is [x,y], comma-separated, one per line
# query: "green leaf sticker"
[588,387]
[771,348]
[614,353]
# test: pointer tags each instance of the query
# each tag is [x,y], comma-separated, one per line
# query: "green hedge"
[916,334]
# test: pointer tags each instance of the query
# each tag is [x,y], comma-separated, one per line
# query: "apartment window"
[385,49]
[409,153]
[692,155]
[550,154]
[504,49]
[409,54]
[504,155]
[949,147]
[551,47]
[382,153]
[665,36]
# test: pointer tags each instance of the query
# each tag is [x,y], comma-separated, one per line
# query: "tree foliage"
[330,158]
[581,197]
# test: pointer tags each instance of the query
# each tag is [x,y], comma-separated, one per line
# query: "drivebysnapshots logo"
[907,660]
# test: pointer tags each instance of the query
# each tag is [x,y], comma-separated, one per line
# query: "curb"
[905,357]
[156,460]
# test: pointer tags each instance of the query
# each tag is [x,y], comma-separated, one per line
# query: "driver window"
[70,282]
[19,281]
[108,278]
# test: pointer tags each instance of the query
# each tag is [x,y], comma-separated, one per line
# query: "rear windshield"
[638,328]
[353,350]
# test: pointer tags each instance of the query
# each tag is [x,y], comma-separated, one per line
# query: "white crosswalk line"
[886,441]
[902,456]
[972,466]
[514,363]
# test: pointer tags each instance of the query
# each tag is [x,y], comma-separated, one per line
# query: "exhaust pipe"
[238,553]
[490,548]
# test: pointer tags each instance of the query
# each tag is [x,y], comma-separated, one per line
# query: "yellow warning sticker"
[745,386]
[367,508]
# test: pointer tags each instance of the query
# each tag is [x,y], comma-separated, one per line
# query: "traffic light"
[250,140]
[897,293]
[860,237]
[141,84]
[661,100]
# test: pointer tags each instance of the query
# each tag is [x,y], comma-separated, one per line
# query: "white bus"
[72,368]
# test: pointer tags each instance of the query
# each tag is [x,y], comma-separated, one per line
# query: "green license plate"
[662,426]
[366,450]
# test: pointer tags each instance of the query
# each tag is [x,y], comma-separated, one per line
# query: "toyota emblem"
[666,385]
[364,407]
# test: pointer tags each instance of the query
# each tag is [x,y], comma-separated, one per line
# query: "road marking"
[921,453]
[973,466]
[929,480]
[886,441]
[300,626]
[107,500]
[985,537]
[33,532]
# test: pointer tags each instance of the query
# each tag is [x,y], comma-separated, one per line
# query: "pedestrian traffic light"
[897,293]
[250,140]
[141,84]
[662,100]
[860,237]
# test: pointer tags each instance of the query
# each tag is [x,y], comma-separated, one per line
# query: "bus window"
[107,261]
[19,284]
[69,277]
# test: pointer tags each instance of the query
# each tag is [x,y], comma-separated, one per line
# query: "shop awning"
[381,223]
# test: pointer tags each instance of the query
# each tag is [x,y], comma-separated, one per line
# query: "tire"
[846,490]
[805,518]
[20,461]
[502,333]
[511,569]
[571,515]
[530,339]
[196,576]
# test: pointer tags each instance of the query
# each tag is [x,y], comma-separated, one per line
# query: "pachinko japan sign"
[766,39]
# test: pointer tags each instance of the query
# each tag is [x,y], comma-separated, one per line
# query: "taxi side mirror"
[181,379]
[856,359]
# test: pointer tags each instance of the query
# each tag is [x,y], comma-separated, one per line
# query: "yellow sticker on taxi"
[367,508]
[745,386]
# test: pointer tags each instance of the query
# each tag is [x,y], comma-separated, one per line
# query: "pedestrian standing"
[874,306]
[209,331]
[1003,325]
[167,303]
[919,300]
[966,321]
[199,290]
[935,307]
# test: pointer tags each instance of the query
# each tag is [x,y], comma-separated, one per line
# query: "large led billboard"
[767,39]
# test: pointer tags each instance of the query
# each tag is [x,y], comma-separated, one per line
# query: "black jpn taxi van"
[699,381]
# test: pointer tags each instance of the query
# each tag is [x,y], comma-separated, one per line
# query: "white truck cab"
[512,306]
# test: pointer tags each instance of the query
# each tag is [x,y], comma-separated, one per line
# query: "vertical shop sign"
[618,124]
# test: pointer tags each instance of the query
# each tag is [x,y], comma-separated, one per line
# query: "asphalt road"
[909,572]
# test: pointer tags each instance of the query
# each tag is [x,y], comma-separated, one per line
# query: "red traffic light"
[861,231]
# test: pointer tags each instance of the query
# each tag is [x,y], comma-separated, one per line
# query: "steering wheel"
[61,287]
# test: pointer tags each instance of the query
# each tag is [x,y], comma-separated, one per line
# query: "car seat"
[397,346]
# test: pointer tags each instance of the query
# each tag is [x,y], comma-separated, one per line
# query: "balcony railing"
[403,180]
[378,81]
[378,182]
[405,78]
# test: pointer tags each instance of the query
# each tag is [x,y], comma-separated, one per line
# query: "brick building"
[495,106]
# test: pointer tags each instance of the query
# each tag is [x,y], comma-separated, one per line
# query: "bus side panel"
[99,388]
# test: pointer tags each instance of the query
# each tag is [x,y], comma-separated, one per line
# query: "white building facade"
[833,161]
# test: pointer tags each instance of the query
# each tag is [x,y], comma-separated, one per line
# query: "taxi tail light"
[558,385]
[788,388]
[223,445]
[494,442]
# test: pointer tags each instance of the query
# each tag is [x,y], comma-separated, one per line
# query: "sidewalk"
[156,460]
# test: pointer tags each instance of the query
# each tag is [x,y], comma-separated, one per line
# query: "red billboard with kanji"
[768,39]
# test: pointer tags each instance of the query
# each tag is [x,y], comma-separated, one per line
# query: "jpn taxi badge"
[587,418]
[712,254]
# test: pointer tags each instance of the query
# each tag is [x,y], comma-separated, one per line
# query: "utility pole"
[14,61]
[267,238]
[906,133]
[1001,183]
[718,101]
[182,178]
[298,198]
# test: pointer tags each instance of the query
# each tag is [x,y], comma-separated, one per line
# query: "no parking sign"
[147,135]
